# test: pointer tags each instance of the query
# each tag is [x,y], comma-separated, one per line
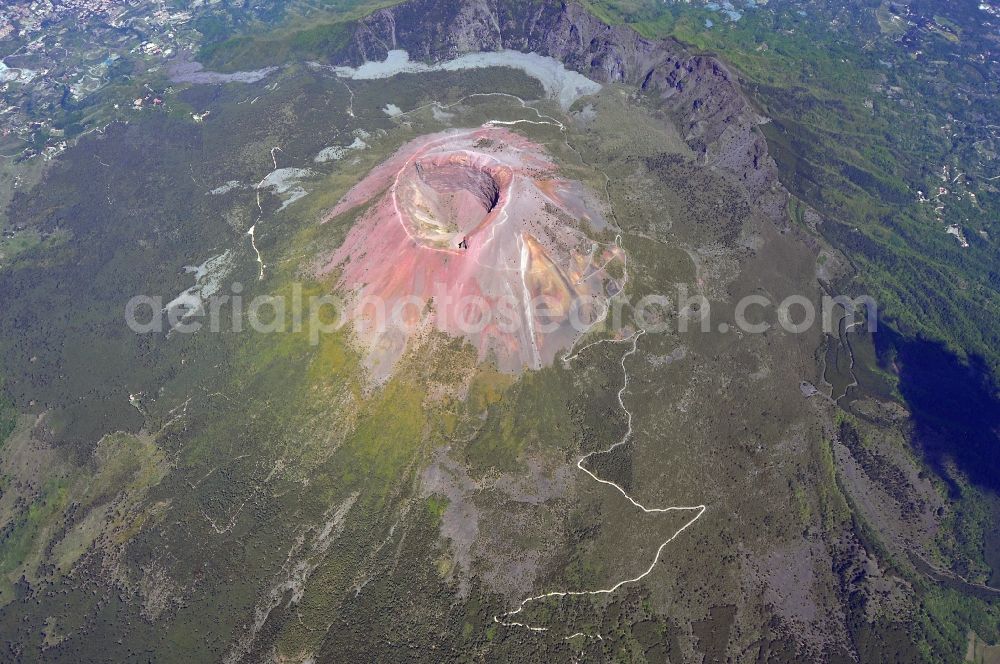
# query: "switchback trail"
[505,618]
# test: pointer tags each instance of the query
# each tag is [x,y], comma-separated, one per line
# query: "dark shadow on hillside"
[955,407]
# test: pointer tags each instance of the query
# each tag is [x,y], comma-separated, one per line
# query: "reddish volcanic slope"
[472,233]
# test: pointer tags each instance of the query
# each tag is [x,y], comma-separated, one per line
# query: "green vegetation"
[300,44]
[8,415]
[857,130]
[947,615]
[963,540]
[73,506]
[23,534]
[834,510]
[305,33]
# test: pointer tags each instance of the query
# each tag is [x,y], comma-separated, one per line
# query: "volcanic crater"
[447,196]
[473,233]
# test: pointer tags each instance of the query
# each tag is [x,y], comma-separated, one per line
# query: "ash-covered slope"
[704,98]
[478,222]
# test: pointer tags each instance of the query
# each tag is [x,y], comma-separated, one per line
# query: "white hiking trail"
[260,214]
[699,509]
[273,158]
[253,243]
[542,117]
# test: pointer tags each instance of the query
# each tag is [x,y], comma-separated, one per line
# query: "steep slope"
[703,96]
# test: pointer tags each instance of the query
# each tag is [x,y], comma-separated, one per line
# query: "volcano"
[451,195]
[473,233]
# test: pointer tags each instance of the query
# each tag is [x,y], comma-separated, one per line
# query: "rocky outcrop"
[702,95]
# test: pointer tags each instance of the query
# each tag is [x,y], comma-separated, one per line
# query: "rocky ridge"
[702,95]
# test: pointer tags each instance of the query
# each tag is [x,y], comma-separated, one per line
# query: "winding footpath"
[505,619]
[260,214]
